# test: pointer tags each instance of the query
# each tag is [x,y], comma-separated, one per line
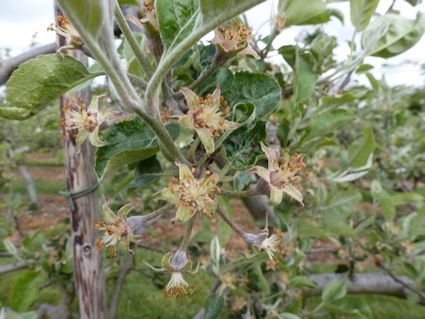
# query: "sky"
[21,19]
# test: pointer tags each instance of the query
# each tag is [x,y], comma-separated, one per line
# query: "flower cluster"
[233,39]
[207,116]
[191,195]
[66,30]
[87,122]
[115,229]
[281,174]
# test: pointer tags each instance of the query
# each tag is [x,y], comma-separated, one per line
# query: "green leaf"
[176,19]
[10,247]
[359,152]
[383,199]
[326,122]
[241,180]
[302,282]
[147,172]
[39,81]
[26,290]
[243,145]
[305,80]
[253,88]
[302,12]
[361,12]
[213,307]
[15,113]
[335,290]
[129,142]
[210,9]
[391,34]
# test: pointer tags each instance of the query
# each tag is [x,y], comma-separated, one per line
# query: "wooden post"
[89,274]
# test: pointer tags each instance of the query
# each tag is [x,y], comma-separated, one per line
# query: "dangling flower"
[87,122]
[66,30]
[177,286]
[281,174]
[116,230]
[263,242]
[178,263]
[207,116]
[234,39]
[271,244]
[191,195]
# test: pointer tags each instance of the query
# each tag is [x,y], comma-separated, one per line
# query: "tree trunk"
[88,266]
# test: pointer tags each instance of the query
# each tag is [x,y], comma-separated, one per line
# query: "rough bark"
[89,275]
[364,283]
[16,266]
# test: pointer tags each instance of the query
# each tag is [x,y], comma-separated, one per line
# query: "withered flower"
[116,230]
[234,38]
[207,116]
[190,194]
[87,122]
[281,174]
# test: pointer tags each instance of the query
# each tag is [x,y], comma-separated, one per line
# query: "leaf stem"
[231,223]
[189,228]
[132,41]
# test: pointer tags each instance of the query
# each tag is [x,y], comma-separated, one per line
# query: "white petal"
[271,157]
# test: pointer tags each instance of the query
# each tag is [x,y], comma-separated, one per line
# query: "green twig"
[132,41]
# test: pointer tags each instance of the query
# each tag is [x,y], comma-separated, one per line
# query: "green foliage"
[147,172]
[254,88]
[25,291]
[396,34]
[129,142]
[241,147]
[361,12]
[301,12]
[175,19]
[335,290]
[213,307]
[39,81]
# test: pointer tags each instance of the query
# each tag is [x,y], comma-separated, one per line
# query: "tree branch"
[16,266]
[403,283]
[365,283]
